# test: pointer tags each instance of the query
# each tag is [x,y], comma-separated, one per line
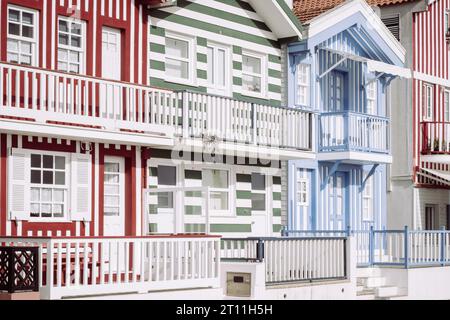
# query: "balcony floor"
[355,157]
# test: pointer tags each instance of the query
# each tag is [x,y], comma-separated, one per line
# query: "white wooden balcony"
[91,266]
[354,137]
[36,101]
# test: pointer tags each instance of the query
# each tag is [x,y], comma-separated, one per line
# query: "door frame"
[228,74]
[345,200]
[122,51]
[122,183]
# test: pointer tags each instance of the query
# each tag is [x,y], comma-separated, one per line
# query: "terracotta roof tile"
[309,9]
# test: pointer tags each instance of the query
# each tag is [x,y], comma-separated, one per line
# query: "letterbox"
[239,284]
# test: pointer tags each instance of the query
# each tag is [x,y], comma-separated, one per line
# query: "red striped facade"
[431,67]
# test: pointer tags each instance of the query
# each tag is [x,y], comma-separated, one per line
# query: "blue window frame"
[338,91]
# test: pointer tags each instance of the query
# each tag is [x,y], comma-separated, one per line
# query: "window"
[430,217]
[258,192]
[49,186]
[22,36]
[447,106]
[372,93]
[167,176]
[428,102]
[393,24]
[253,78]
[179,58]
[368,200]
[303,71]
[302,190]
[218,181]
[70,45]
[218,58]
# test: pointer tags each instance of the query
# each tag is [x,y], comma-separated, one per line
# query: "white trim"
[428,102]
[264,75]
[68,47]
[214,88]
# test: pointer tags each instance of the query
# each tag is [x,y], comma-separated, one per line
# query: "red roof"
[309,9]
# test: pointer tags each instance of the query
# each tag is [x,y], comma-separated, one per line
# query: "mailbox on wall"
[239,284]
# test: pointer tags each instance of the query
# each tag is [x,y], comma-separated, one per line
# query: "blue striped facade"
[321,212]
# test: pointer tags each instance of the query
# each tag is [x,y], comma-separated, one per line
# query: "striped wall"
[356,73]
[233,23]
[430,57]
[240,220]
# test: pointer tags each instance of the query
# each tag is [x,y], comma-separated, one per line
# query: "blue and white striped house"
[342,71]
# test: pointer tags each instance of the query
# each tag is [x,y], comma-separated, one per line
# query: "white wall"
[438,197]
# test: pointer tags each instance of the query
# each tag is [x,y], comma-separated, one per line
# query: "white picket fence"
[71,267]
[292,259]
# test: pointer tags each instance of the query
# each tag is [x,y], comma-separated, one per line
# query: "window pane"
[251,64]
[34,210]
[14,29]
[27,18]
[114,211]
[251,83]
[13,45]
[35,194]
[47,177]
[62,66]
[221,67]
[258,201]
[27,31]
[46,210]
[111,201]
[35,161]
[165,200]
[76,28]
[25,47]
[46,195]
[60,163]
[63,39]
[258,181]
[58,195]
[74,56]
[215,179]
[167,175]
[111,167]
[47,161]
[25,59]
[62,55]
[111,178]
[210,58]
[60,178]
[111,189]
[35,176]
[63,26]
[58,210]
[14,15]
[74,68]
[177,48]
[75,42]
[177,69]
[219,200]
[12,57]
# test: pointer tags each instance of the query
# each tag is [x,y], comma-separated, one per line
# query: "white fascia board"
[276,18]
[83,134]
[328,19]
[378,66]
[355,157]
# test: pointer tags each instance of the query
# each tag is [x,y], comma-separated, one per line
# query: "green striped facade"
[233,23]
[241,219]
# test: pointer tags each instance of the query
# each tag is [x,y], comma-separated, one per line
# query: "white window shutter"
[80,203]
[19,185]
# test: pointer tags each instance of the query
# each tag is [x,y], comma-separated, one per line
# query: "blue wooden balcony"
[353,132]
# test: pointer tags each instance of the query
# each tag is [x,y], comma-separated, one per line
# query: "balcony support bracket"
[371,172]
[332,68]
[332,171]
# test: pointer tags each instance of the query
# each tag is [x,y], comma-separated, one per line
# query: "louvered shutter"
[80,187]
[19,185]
[393,24]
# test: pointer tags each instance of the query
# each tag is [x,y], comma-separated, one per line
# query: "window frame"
[34,41]
[427,89]
[67,186]
[306,85]
[68,48]
[264,192]
[446,105]
[229,211]
[299,191]
[191,60]
[434,217]
[335,74]
[263,75]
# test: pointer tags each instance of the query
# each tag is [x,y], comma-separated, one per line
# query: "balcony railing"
[53,97]
[71,267]
[350,131]
[435,137]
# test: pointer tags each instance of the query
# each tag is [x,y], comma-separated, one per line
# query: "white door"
[218,60]
[114,197]
[110,98]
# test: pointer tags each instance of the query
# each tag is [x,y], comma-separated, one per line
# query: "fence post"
[371,246]
[406,247]
[443,244]
[260,250]
[254,125]
[185,112]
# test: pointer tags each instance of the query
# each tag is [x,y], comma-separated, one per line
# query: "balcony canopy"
[372,65]
[437,175]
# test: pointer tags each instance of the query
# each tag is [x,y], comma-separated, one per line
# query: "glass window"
[258,192]
[302,190]
[178,58]
[252,74]
[70,46]
[368,200]
[258,181]
[428,102]
[303,71]
[431,222]
[49,186]
[447,106]
[218,181]
[22,36]
[167,176]
[372,92]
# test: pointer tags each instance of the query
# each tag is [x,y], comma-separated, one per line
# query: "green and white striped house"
[226,61]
